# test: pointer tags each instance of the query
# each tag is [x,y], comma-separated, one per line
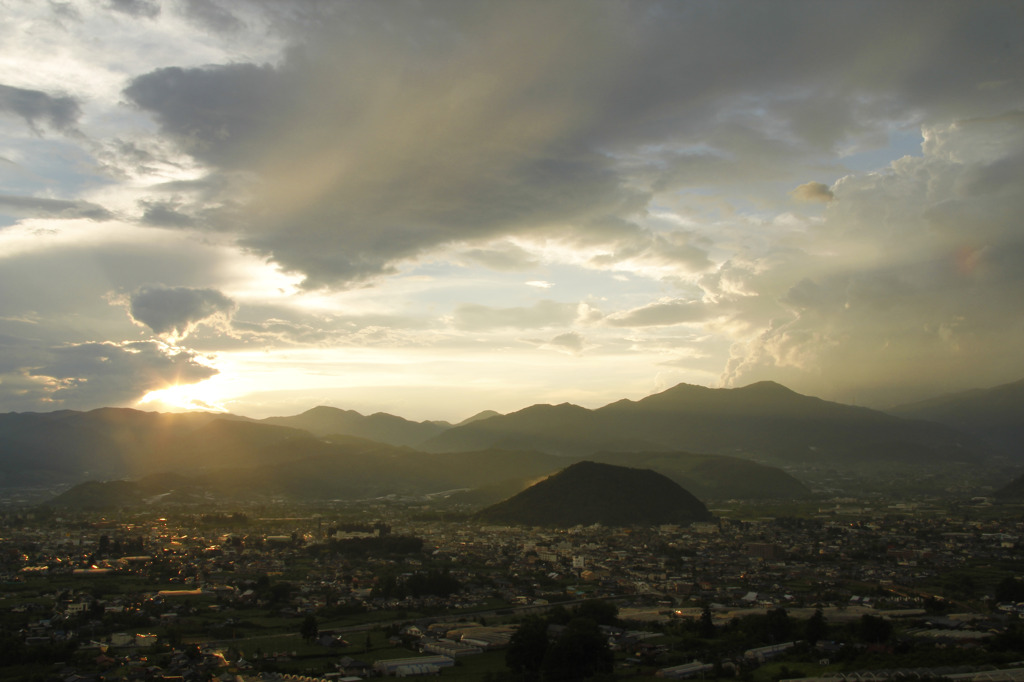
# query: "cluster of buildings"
[876,559]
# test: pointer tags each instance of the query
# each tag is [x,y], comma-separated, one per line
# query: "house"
[686,670]
[406,667]
[352,666]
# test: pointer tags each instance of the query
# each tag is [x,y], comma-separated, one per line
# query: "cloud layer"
[518,197]
[550,117]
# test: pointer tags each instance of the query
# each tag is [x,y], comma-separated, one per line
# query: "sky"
[436,208]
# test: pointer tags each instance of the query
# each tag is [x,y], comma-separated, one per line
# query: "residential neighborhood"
[242,593]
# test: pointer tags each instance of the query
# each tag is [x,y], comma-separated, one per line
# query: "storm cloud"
[175,311]
[527,117]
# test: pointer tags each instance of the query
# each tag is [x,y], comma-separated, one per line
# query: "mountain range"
[717,443]
[765,419]
[994,415]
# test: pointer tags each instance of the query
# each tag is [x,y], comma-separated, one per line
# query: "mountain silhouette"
[765,420]
[720,443]
[589,492]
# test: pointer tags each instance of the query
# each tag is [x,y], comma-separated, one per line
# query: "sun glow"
[201,396]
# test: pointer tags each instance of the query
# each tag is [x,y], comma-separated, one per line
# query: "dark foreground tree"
[310,629]
[875,629]
[598,610]
[581,652]
[816,628]
[779,626]
[527,648]
[707,623]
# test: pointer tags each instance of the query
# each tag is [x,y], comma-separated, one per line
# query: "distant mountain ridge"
[719,443]
[587,493]
[383,427]
[995,415]
[764,419]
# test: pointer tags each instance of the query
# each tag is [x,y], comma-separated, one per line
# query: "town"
[393,587]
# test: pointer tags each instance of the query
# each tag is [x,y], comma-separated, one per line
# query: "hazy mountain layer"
[714,476]
[380,427]
[356,469]
[995,415]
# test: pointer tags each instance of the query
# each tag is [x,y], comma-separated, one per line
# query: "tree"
[600,611]
[707,623]
[780,628]
[310,628]
[581,652]
[527,647]
[875,629]
[816,628]
[1010,589]
[280,592]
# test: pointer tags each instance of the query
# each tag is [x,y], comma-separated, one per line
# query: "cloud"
[37,207]
[36,107]
[678,252]
[911,283]
[136,8]
[640,155]
[549,120]
[86,375]
[116,374]
[176,311]
[469,317]
[812,192]
[165,214]
[661,313]
[212,15]
[569,343]
[572,342]
[506,257]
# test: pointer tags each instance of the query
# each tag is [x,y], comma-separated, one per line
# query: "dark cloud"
[223,115]
[165,214]
[37,108]
[387,134]
[177,310]
[89,375]
[212,15]
[541,314]
[36,207]
[64,9]
[136,8]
